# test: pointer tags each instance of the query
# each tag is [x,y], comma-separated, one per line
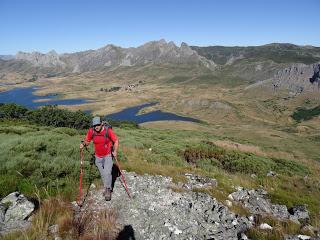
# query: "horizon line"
[139,45]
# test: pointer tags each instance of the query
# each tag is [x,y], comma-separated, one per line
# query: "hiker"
[105,146]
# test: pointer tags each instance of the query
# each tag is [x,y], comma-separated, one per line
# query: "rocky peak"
[51,59]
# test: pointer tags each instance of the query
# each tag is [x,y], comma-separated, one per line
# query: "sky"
[77,25]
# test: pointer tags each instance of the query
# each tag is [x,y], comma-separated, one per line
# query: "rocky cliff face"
[298,78]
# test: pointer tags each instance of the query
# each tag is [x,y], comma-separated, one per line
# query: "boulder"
[20,208]
[14,212]
[2,212]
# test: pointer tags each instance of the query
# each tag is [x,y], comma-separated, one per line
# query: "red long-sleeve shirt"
[102,146]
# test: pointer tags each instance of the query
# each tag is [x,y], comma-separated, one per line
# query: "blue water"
[130,114]
[25,97]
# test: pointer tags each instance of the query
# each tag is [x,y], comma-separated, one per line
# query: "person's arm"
[87,139]
[113,137]
[115,148]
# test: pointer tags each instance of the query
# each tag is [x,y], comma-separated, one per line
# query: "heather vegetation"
[303,114]
[40,158]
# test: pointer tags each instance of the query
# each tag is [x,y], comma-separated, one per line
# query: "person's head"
[97,124]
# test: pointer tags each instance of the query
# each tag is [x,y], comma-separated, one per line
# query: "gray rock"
[15,210]
[265,226]
[243,237]
[300,212]
[157,212]
[271,174]
[300,237]
[298,78]
[195,181]
[2,212]
[10,199]
[253,175]
[257,203]
[19,210]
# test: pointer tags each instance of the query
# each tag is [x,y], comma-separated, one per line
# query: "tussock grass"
[88,225]
[51,210]
[85,225]
[280,228]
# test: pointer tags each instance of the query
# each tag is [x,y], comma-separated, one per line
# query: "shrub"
[12,110]
[303,114]
[207,153]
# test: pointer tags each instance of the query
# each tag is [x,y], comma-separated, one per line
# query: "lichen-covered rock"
[256,202]
[157,212]
[197,182]
[19,209]
[14,211]
[300,212]
[2,212]
[301,237]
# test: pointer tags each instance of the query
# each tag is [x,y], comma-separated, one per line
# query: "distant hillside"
[6,57]
[276,52]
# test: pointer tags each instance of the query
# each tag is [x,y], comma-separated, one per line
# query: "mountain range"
[252,64]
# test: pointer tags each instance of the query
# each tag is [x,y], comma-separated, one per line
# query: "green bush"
[207,153]
[53,116]
[12,110]
[303,114]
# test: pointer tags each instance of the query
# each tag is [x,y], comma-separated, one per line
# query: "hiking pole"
[81,176]
[124,183]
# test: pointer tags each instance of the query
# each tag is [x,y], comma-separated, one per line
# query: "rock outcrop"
[298,78]
[157,212]
[257,202]
[15,209]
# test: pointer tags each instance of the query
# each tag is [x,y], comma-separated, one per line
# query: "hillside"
[43,161]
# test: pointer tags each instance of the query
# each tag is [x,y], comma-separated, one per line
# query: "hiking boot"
[107,194]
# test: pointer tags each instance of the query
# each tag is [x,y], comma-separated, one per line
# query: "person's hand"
[81,146]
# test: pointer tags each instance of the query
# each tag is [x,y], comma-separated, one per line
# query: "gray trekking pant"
[104,165]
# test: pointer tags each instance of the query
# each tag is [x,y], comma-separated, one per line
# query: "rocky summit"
[155,211]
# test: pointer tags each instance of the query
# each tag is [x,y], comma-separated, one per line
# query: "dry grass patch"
[278,231]
[88,225]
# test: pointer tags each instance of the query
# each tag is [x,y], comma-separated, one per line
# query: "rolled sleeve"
[89,135]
